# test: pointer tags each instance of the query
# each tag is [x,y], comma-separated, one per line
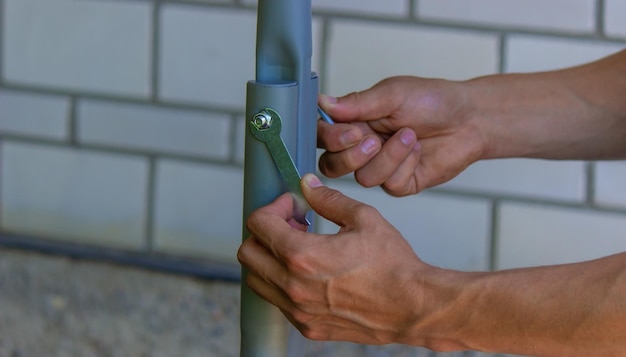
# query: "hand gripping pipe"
[284,83]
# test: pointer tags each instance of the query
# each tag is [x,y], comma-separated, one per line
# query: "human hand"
[405,134]
[362,284]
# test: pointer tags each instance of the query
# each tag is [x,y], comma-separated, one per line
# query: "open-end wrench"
[265,126]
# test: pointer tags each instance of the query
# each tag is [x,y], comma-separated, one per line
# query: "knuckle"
[396,188]
[329,167]
[394,151]
[364,213]
[242,253]
[297,293]
[326,137]
[365,179]
[253,219]
[301,318]
[330,196]
[314,334]
[293,260]
[339,163]
[300,263]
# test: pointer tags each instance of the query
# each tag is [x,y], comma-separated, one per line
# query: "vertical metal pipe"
[285,83]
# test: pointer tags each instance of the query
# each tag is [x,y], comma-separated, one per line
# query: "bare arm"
[567,310]
[365,285]
[576,113]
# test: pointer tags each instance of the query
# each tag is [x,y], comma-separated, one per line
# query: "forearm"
[567,310]
[576,113]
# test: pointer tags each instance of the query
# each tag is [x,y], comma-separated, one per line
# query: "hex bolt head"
[262,120]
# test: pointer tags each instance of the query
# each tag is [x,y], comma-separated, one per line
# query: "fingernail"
[348,137]
[407,137]
[312,181]
[417,146]
[329,99]
[369,146]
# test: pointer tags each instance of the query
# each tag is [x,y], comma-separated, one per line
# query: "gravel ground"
[51,306]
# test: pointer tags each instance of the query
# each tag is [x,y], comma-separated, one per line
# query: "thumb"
[328,203]
[380,101]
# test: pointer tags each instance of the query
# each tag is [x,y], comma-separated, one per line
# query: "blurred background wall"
[121,123]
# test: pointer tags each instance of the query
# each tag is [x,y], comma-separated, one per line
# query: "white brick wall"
[374,7]
[32,114]
[559,181]
[121,123]
[211,40]
[609,184]
[614,11]
[82,196]
[198,210]
[531,235]
[537,15]
[537,53]
[154,129]
[378,8]
[76,45]
[362,53]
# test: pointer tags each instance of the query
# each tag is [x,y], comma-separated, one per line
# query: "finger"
[283,207]
[259,261]
[273,225]
[403,181]
[379,101]
[388,159]
[337,137]
[269,292]
[331,204]
[336,164]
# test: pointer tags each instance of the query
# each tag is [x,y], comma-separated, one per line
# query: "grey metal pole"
[284,82]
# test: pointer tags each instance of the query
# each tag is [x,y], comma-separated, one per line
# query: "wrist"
[533,115]
[441,318]
[486,113]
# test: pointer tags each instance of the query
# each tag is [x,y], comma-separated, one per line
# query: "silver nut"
[262,120]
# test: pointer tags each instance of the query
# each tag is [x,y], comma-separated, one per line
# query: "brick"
[155,129]
[532,235]
[75,45]
[614,24]
[556,15]
[77,196]
[35,115]
[203,68]
[198,210]
[534,53]
[374,7]
[317,32]
[445,231]
[554,180]
[610,184]
[210,69]
[390,7]
[240,137]
[361,53]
